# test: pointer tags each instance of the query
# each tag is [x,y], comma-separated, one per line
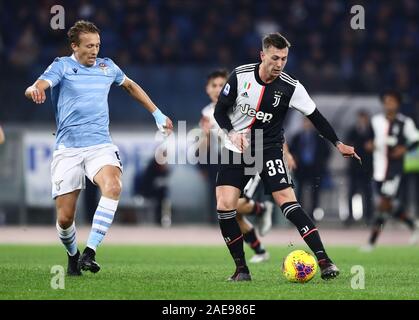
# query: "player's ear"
[73,46]
[262,55]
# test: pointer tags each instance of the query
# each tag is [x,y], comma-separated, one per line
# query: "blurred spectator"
[2,137]
[328,55]
[209,140]
[360,176]
[311,153]
[152,184]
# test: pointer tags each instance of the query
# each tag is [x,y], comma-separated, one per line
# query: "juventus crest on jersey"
[258,105]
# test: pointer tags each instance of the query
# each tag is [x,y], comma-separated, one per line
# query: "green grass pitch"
[191,272]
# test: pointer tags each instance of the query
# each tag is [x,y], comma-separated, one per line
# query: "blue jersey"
[80,98]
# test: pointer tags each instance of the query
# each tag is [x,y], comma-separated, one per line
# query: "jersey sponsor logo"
[259,115]
[226,90]
[277,98]
[75,70]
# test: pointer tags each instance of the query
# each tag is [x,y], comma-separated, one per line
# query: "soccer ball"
[299,266]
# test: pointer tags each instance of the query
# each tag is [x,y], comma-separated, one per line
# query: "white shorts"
[70,166]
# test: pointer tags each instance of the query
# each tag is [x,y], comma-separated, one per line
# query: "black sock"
[232,236]
[254,243]
[402,216]
[258,208]
[306,228]
[377,226]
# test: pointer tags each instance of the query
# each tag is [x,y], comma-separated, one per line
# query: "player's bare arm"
[36,92]
[205,124]
[139,95]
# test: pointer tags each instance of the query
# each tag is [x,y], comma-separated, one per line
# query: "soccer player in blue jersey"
[79,86]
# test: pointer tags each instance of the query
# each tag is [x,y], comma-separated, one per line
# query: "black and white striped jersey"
[254,104]
[387,135]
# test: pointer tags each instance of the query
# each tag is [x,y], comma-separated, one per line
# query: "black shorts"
[389,188]
[274,171]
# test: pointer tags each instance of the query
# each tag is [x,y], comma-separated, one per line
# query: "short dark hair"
[219,73]
[393,93]
[81,26]
[276,40]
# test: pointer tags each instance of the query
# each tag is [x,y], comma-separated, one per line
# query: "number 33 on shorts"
[275,166]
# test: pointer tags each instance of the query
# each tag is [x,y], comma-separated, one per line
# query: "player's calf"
[310,234]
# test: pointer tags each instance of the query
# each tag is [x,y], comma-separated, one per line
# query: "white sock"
[102,221]
[68,238]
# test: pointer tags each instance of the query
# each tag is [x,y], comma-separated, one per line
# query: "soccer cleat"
[260,257]
[72,266]
[328,270]
[241,274]
[87,261]
[265,223]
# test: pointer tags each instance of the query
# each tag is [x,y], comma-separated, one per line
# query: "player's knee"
[65,221]
[225,204]
[112,189]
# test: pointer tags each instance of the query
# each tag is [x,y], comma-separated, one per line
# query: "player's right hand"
[38,95]
[348,151]
[239,140]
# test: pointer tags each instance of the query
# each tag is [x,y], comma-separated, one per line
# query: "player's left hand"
[348,151]
[167,128]
[164,124]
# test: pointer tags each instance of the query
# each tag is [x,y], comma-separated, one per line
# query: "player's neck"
[264,76]
[391,116]
[76,58]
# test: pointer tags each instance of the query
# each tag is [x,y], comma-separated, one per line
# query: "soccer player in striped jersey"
[79,87]
[246,205]
[258,96]
[392,135]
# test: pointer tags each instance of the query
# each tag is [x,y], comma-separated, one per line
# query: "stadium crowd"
[327,53]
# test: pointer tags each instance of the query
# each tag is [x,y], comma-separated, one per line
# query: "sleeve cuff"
[49,82]
[123,79]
